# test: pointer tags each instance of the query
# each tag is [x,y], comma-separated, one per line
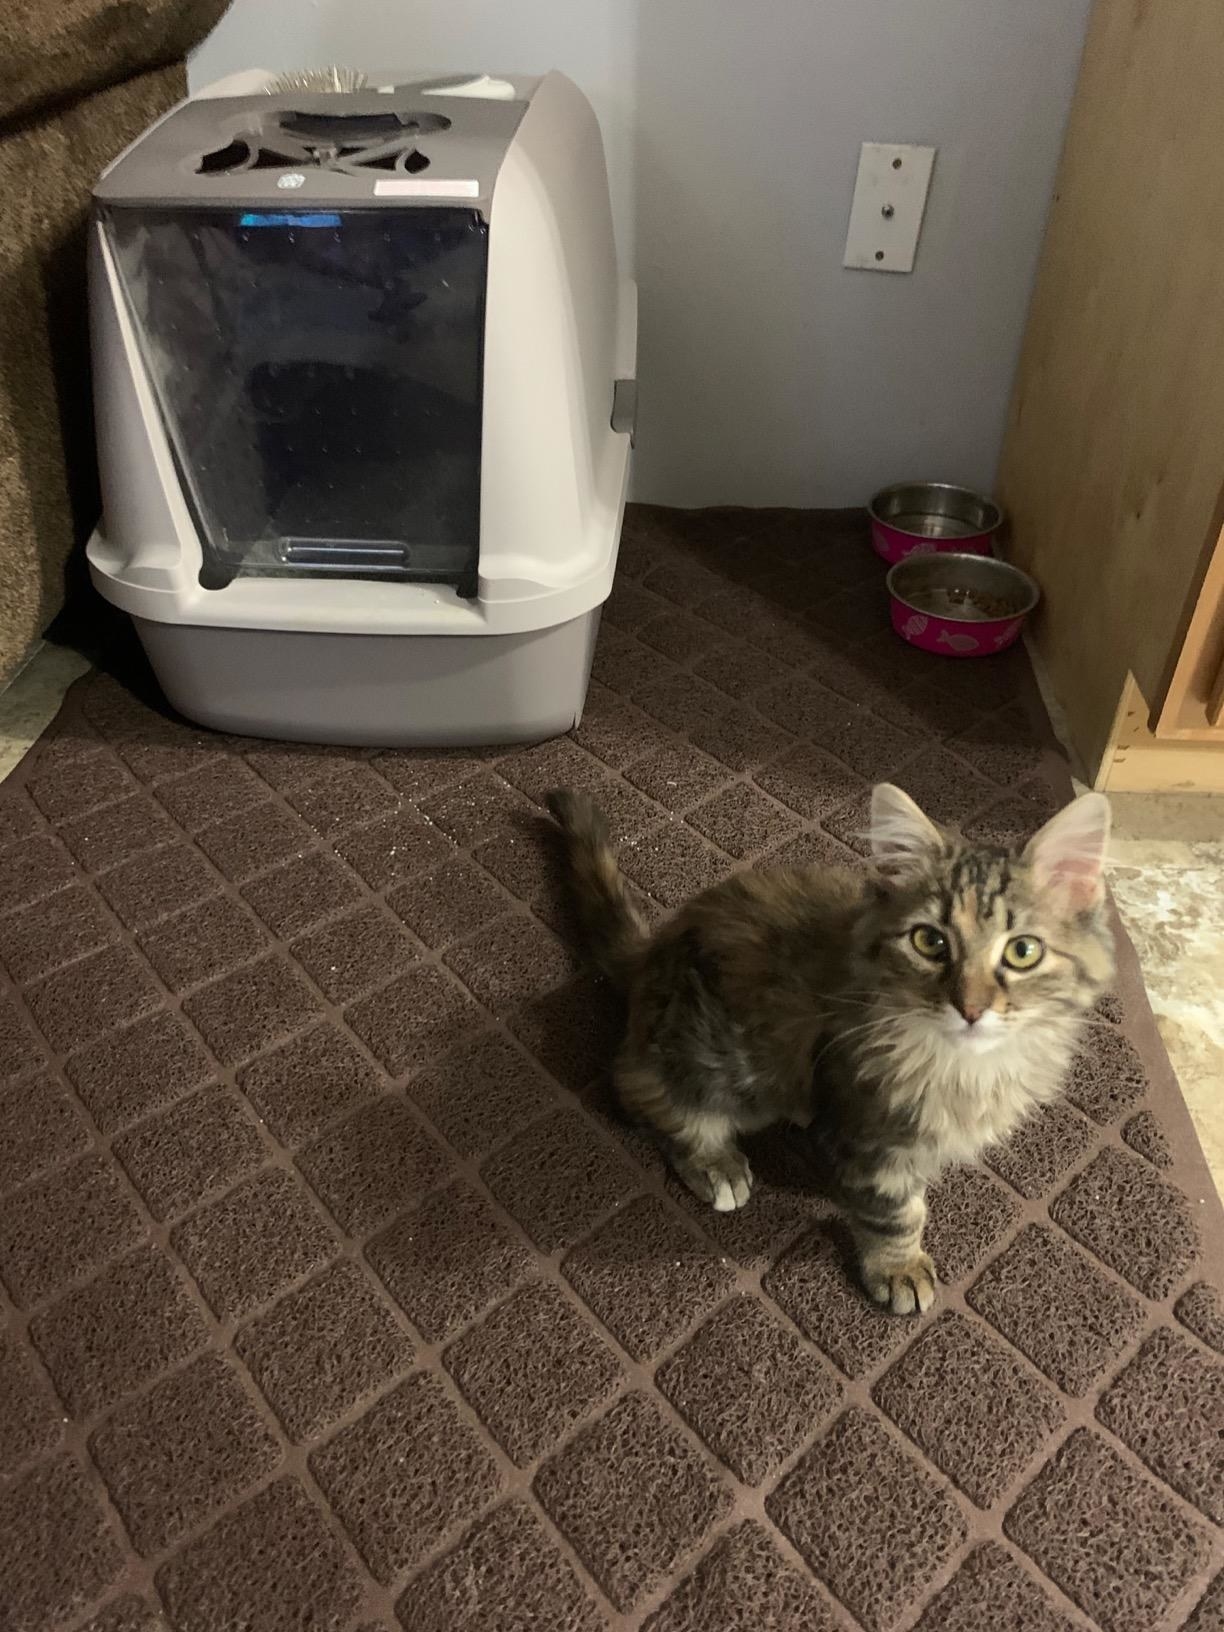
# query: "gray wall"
[770,374]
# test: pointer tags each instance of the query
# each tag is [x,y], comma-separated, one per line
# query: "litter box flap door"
[319,375]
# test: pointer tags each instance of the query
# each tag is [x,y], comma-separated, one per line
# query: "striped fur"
[800,996]
[614,932]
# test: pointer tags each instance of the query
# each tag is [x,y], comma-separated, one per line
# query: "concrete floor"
[1167,872]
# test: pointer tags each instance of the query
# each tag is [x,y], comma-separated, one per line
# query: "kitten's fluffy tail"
[613,928]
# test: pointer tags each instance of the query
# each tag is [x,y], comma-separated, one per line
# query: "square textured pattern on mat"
[333,1295]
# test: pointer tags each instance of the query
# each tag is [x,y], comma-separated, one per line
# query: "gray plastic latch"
[624,407]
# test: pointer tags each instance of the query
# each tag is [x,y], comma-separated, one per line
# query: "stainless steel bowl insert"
[935,510]
[931,583]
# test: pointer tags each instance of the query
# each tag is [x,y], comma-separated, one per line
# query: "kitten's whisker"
[878,1024]
[866,999]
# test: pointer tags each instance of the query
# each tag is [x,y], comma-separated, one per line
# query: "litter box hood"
[357,362]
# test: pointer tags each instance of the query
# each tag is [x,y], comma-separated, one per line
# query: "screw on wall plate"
[887,211]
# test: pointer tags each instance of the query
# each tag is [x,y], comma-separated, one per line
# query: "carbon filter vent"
[349,142]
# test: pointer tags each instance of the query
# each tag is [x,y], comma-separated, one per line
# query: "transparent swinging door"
[319,376]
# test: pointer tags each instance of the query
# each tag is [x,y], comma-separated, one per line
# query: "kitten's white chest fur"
[967,1094]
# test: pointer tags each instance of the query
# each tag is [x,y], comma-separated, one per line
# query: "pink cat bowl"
[924,518]
[959,605]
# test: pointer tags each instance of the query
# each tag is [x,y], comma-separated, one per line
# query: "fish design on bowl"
[957,643]
[958,604]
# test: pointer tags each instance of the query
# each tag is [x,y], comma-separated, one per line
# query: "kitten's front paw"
[725,1181]
[905,1289]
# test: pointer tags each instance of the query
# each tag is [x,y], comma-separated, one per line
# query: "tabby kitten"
[908,1017]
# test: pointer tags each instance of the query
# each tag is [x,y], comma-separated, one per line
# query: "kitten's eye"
[931,942]
[1023,952]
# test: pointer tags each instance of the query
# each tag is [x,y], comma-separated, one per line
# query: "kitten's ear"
[902,838]
[1068,854]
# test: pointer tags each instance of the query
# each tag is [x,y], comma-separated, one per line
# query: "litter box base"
[387,691]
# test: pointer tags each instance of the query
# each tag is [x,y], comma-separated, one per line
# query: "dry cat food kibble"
[968,604]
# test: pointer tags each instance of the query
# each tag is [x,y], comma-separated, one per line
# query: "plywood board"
[1191,708]
[1137,761]
[1166,767]
[1113,467]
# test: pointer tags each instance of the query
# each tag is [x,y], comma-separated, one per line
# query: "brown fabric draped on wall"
[79,80]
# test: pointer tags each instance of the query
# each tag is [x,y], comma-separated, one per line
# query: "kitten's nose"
[971,1012]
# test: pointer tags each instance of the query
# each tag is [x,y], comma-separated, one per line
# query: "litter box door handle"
[624,407]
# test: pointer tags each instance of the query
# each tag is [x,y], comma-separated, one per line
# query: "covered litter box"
[363,377]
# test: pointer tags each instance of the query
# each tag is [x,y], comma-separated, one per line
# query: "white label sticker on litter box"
[426,189]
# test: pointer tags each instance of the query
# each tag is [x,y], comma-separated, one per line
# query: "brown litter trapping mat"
[335,1298]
